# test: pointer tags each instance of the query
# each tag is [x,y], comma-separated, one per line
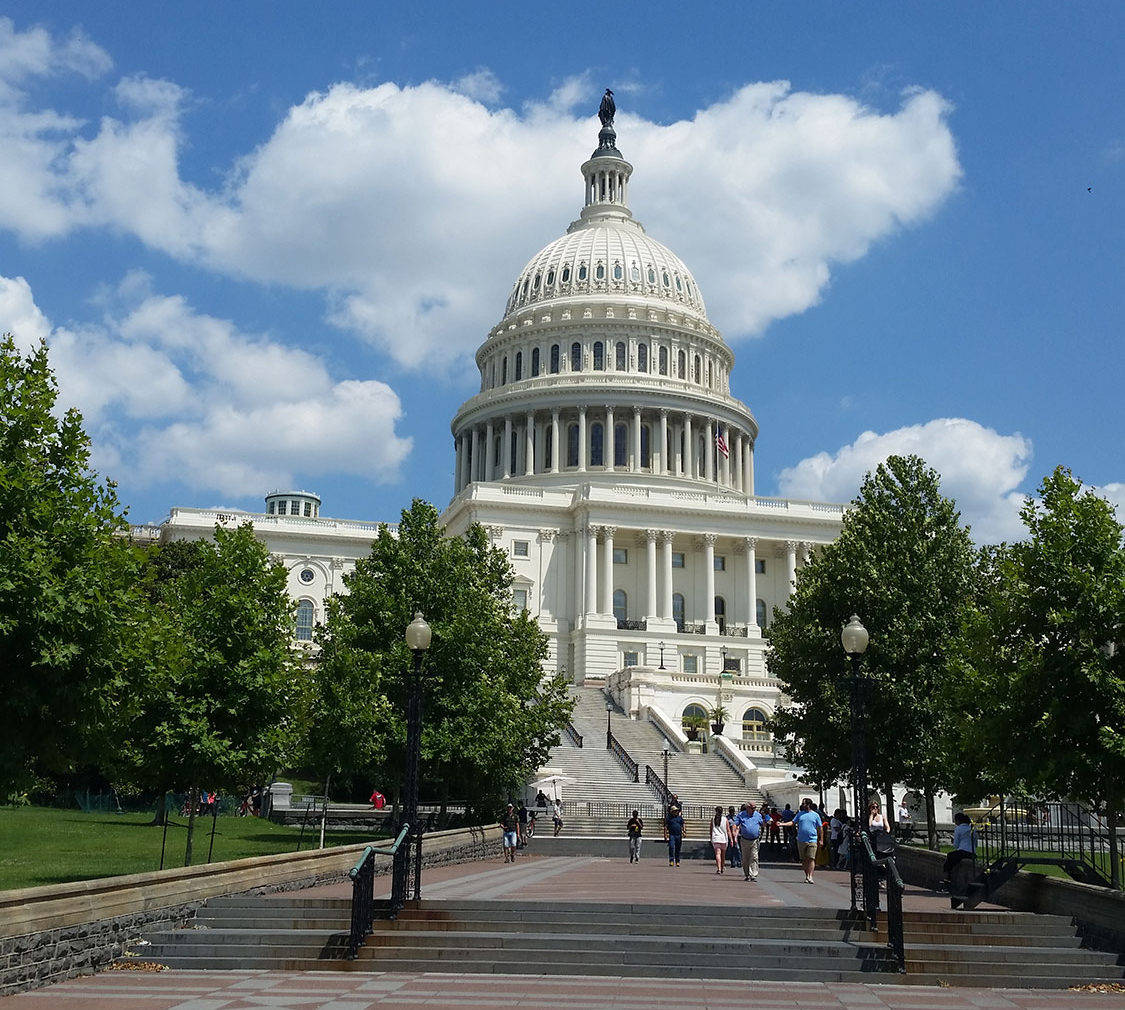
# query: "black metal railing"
[694,629]
[575,736]
[624,625]
[653,780]
[733,632]
[363,890]
[1020,832]
[896,939]
[613,745]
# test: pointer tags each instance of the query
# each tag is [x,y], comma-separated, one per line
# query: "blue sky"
[265,239]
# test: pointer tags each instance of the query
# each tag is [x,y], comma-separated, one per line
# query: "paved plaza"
[694,884]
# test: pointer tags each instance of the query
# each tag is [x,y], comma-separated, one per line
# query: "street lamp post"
[608,722]
[854,638]
[418,641]
[661,655]
[666,750]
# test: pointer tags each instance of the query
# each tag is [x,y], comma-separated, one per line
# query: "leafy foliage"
[490,718]
[65,600]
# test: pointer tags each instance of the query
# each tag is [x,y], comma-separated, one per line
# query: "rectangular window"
[720,563]
[620,555]
[731,665]
[281,508]
[520,549]
[519,598]
[691,664]
[677,559]
[630,659]
[308,508]
[760,566]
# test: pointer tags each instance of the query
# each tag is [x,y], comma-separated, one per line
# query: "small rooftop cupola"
[607,172]
[293,503]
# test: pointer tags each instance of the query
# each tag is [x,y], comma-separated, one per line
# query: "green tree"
[1044,677]
[213,691]
[65,575]
[490,716]
[904,563]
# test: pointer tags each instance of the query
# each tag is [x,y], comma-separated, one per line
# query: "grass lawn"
[43,845]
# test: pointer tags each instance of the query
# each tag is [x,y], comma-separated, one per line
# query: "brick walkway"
[569,879]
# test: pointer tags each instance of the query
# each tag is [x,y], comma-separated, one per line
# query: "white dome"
[607,257]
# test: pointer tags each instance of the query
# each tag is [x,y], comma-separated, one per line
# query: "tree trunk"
[931,817]
[324,808]
[160,815]
[193,804]
[889,800]
[1113,818]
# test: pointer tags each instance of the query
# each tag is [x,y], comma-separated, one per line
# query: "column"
[529,445]
[678,450]
[663,467]
[737,469]
[554,441]
[791,562]
[636,440]
[490,453]
[608,439]
[650,557]
[666,559]
[607,575]
[752,628]
[474,456]
[726,459]
[582,456]
[709,452]
[579,575]
[709,562]
[506,448]
[748,476]
[591,569]
[459,467]
[689,449]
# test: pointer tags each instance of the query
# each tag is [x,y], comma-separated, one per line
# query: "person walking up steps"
[634,829]
[807,826]
[720,832]
[674,830]
[748,827]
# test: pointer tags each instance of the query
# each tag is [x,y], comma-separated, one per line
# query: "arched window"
[599,356]
[566,274]
[720,613]
[306,612]
[619,364]
[534,362]
[599,272]
[597,441]
[678,610]
[698,374]
[635,273]
[576,357]
[620,445]
[554,359]
[664,361]
[550,276]
[679,286]
[519,365]
[667,282]
[618,273]
[504,372]
[692,712]
[754,725]
[582,271]
[620,606]
[548,445]
[651,276]
[572,445]
[642,357]
[682,362]
[535,285]
[646,451]
[760,614]
[525,283]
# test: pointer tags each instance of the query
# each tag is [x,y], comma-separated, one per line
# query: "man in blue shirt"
[748,823]
[809,829]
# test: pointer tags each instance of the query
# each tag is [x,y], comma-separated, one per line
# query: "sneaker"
[808,879]
[670,863]
[677,864]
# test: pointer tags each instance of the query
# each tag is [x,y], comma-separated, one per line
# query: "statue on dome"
[607,109]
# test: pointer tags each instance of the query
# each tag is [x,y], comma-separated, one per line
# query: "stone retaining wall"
[1098,911]
[51,933]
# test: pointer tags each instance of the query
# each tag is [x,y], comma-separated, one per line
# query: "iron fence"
[362,876]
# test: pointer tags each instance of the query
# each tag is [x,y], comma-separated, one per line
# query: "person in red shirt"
[378,800]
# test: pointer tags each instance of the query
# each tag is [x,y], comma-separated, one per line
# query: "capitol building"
[606,456]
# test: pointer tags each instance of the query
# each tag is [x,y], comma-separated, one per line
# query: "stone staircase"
[650,941]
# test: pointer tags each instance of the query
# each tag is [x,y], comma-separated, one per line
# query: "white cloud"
[413,208]
[1115,495]
[173,395]
[980,468]
[482,84]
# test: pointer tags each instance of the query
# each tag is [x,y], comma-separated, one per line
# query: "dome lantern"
[607,172]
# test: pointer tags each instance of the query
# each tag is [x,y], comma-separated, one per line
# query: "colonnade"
[605,439]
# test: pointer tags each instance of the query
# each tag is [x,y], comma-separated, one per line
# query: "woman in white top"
[719,832]
[875,820]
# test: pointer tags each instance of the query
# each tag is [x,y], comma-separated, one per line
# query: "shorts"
[807,850]
[510,839]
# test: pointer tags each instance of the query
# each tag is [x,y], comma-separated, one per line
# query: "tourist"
[748,826]
[903,817]
[634,829]
[720,832]
[531,815]
[835,836]
[964,844]
[377,800]
[787,816]
[522,815]
[541,800]
[674,830]
[807,826]
[775,826]
[733,850]
[875,819]
[510,825]
[556,816]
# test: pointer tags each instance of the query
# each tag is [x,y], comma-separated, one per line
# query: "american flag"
[721,444]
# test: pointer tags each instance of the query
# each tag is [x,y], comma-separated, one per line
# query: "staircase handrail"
[896,939]
[614,746]
[653,780]
[575,736]
[676,737]
[732,757]
[362,876]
